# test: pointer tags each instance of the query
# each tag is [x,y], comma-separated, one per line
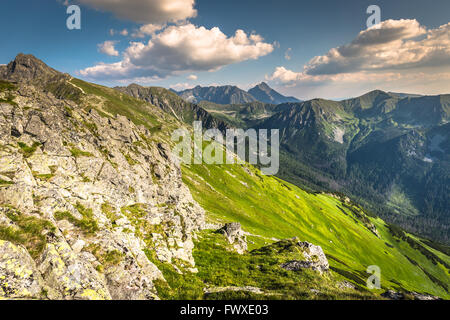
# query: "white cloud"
[146,11]
[108,47]
[383,46]
[148,30]
[181,49]
[393,53]
[192,77]
[124,32]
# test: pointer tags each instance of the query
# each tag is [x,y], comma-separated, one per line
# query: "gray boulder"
[235,236]
[315,259]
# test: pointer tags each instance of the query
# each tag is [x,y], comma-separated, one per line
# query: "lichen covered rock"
[314,258]
[19,277]
[85,196]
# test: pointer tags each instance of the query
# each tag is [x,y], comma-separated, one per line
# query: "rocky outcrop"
[313,258]
[87,201]
[295,255]
[19,277]
[235,236]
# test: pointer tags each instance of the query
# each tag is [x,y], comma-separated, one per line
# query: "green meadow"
[271,209]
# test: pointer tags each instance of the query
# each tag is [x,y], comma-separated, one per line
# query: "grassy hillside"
[225,274]
[270,208]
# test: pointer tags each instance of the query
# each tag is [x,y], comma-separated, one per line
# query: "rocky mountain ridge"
[233,95]
[175,105]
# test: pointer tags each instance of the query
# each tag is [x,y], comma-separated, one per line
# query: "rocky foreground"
[82,197]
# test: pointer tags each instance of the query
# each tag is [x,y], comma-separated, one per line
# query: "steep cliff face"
[86,200]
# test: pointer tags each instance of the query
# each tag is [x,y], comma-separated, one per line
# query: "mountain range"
[389,151]
[94,204]
[233,95]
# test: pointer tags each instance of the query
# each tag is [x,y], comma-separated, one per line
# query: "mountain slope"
[173,104]
[85,192]
[93,205]
[262,92]
[272,209]
[240,115]
[383,149]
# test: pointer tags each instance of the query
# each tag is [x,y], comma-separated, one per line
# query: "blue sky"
[309,28]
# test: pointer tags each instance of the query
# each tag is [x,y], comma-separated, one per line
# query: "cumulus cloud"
[385,45]
[394,50]
[148,30]
[108,47]
[181,49]
[146,11]
[192,77]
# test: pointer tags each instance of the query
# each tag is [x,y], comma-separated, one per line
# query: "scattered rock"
[248,289]
[393,295]
[315,258]
[419,296]
[346,285]
[235,236]
[235,289]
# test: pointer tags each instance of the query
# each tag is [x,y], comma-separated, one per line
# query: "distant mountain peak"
[230,94]
[221,95]
[262,92]
[263,86]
